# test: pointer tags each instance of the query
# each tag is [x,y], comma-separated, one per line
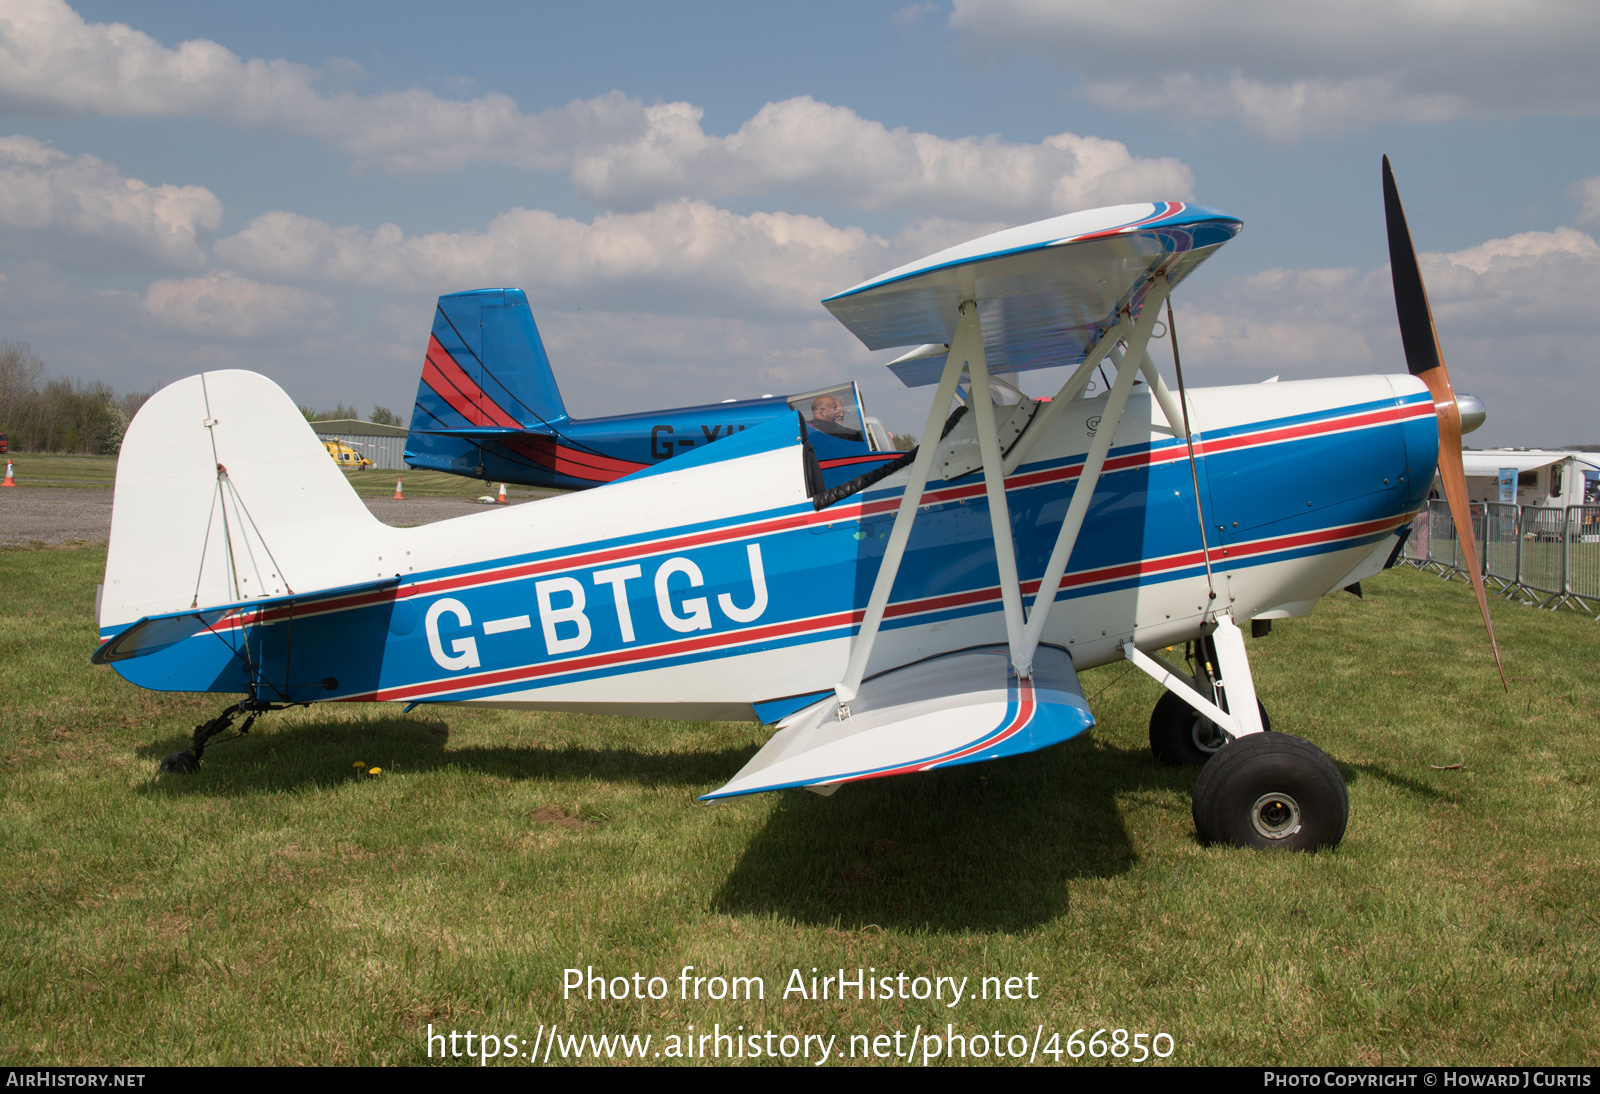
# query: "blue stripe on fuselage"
[819,570]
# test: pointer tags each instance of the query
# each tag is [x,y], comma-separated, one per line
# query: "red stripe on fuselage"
[845,461]
[577,463]
[886,506]
[600,660]
[641,655]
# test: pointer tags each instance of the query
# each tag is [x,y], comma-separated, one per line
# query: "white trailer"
[1552,479]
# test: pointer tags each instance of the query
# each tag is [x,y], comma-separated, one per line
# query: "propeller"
[1426,362]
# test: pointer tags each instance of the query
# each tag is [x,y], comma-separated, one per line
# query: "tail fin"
[225,494]
[485,366]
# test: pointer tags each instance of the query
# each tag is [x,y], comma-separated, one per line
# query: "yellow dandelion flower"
[374,771]
[358,763]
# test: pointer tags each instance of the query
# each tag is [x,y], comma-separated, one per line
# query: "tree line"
[381,415]
[59,415]
[39,414]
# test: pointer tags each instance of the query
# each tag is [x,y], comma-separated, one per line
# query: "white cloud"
[619,151]
[1289,70]
[683,256]
[53,61]
[611,362]
[224,304]
[44,190]
[1523,286]
[1586,192]
[1533,283]
[912,13]
[1515,318]
[831,152]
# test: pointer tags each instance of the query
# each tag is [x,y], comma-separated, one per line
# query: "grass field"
[38,469]
[281,907]
[43,469]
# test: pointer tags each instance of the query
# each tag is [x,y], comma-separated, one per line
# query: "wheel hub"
[1275,816]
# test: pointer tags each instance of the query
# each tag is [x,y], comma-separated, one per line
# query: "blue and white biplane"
[929,612]
[488,407]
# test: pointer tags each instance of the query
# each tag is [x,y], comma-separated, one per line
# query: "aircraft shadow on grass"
[1398,781]
[987,847]
[316,755]
[977,847]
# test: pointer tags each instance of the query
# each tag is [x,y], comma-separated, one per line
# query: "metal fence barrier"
[1432,544]
[1583,555]
[1544,539]
[1539,555]
[1500,545]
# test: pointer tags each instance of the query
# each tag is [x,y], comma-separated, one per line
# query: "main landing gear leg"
[1181,736]
[188,760]
[1257,789]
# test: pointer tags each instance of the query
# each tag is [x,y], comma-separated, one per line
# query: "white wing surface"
[959,708]
[1045,291]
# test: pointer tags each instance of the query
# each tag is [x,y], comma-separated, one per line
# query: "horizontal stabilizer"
[956,709]
[490,431]
[154,633]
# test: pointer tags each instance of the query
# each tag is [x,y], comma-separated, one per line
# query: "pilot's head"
[825,408]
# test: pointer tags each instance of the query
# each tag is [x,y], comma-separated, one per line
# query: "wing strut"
[1079,379]
[1089,478]
[1159,389]
[994,482]
[1023,630]
[966,352]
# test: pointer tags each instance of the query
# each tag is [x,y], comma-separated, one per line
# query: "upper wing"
[959,708]
[1045,291]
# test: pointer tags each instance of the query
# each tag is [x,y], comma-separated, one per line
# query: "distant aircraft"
[929,612]
[488,408]
[347,458]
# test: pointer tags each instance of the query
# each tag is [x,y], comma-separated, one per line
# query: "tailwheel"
[187,761]
[1182,737]
[180,763]
[1271,790]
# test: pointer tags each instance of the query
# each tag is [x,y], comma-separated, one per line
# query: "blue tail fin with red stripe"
[485,368]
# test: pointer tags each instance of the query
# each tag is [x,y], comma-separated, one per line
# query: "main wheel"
[1183,737]
[1271,790]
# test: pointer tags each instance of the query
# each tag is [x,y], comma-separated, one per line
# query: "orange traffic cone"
[501,500]
[11,481]
[398,496]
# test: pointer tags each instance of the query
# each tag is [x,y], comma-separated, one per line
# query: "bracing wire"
[1194,472]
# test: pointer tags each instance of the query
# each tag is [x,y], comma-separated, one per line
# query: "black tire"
[1271,790]
[180,763]
[1180,736]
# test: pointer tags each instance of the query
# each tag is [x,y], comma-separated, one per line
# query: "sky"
[287,188]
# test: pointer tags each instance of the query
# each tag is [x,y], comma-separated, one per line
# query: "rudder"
[485,366]
[224,493]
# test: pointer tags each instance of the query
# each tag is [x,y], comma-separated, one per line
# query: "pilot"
[828,416]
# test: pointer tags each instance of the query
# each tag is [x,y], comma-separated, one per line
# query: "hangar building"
[384,445]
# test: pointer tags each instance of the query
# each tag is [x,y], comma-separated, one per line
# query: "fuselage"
[702,586]
[578,453]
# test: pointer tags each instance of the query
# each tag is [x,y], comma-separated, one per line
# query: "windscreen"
[835,410]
